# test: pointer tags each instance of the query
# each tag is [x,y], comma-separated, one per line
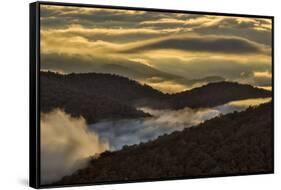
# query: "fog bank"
[66,144]
[133,131]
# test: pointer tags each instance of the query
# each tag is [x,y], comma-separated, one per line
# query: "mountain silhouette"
[97,96]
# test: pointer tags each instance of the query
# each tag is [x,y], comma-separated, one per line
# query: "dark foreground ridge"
[214,94]
[98,96]
[237,143]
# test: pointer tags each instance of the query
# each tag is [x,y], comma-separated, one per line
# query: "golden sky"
[169,51]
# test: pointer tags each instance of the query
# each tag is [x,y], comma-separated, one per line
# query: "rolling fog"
[67,143]
[133,131]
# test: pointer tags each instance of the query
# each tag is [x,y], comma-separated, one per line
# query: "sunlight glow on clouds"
[265,74]
[66,145]
[173,46]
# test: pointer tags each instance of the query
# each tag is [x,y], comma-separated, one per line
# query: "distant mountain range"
[143,72]
[98,96]
[214,94]
[131,69]
[237,143]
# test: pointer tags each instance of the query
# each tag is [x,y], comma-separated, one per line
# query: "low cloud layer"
[66,145]
[175,70]
[134,131]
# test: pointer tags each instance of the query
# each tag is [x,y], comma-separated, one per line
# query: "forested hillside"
[83,96]
[237,143]
[106,96]
[214,94]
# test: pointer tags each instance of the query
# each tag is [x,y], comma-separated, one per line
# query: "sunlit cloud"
[165,86]
[66,145]
[265,74]
[80,30]
[143,45]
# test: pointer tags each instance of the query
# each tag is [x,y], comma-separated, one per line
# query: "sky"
[171,52]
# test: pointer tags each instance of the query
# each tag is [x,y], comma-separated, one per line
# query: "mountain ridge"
[98,96]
